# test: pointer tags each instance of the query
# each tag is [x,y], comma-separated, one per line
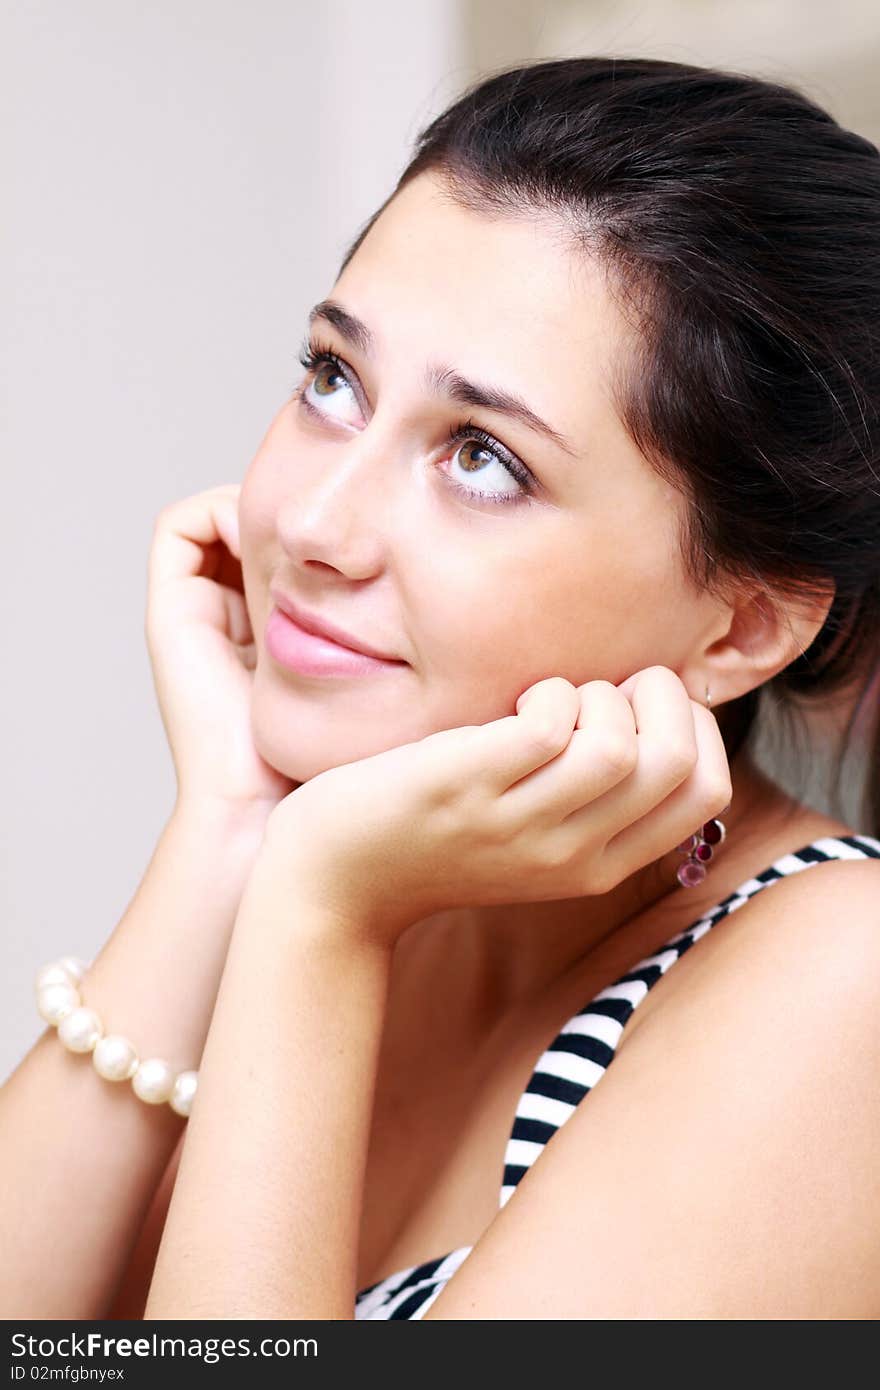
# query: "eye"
[324,366]
[473,440]
[519,486]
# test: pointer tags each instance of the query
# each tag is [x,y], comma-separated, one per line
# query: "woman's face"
[360,507]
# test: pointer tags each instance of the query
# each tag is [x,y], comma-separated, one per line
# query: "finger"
[238,620]
[704,794]
[666,752]
[184,529]
[508,749]
[248,653]
[666,746]
[602,751]
[226,518]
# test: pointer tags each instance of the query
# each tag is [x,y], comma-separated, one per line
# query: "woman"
[583,461]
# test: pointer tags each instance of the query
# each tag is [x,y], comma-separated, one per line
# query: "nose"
[338,508]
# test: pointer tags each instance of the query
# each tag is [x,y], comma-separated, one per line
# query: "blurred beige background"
[181,179]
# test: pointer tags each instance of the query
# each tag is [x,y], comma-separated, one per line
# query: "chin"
[302,736]
[300,759]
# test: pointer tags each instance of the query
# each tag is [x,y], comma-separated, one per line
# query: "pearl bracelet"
[81,1030]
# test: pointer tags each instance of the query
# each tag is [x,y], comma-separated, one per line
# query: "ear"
[754,635]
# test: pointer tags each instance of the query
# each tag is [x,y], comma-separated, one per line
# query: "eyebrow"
[443,380]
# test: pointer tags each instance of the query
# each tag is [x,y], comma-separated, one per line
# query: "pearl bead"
[52,974]
[67,970]
[153,1081]
[80,1030]
[114,1058]
[75,967]
[184,1091]
[56,1001]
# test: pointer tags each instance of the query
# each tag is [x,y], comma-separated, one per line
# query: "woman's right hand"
[202,653]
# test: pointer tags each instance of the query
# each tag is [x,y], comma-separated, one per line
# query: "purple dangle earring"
[699,847]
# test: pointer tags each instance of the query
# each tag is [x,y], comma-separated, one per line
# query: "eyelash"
[314,355]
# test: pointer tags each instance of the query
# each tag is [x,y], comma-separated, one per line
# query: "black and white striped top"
[575,1060]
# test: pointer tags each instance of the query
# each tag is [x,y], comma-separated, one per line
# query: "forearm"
[265,1217]
[80,1157]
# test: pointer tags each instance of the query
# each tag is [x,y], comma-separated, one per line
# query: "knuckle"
[601,878]
[545,735]
[681,758]
[655,672]
[598,685]
[664,673]
[717,793]
[557,683]
[618,754]
[724,793]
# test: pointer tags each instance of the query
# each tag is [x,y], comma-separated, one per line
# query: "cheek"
[586,606]
[490,625]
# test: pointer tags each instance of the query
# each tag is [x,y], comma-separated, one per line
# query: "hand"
[202,653]
[576,791]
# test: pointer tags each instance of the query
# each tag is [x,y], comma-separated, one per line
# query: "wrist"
[337,892]
[212,816]
[291,897]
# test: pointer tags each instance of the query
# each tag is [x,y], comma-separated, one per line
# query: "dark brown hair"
[743,224]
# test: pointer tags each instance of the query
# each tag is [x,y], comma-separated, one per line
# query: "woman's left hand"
[576,791]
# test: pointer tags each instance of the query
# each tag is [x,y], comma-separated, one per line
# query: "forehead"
[507,301]
[442,279]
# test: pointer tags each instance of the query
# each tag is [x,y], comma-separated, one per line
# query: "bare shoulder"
[724,1166]
[820,890]
[816,913]
[799,960]
[820,925]
[805,947]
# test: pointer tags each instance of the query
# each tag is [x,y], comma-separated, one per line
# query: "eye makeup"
[315,356]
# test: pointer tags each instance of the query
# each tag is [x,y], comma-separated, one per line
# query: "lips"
[322,627]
